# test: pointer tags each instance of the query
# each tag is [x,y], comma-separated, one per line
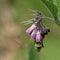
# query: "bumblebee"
[39,45]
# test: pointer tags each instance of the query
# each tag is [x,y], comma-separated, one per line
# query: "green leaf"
[51,1]
[33,54]
[57,3]
[53,10]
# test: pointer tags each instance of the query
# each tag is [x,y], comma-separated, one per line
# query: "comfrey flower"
[33,34]
[30,30]
[39,37]
[38,31]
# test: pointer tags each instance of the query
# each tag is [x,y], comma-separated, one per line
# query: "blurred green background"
[51,51]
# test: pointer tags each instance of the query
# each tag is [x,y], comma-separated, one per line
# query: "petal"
[33,26]
[45,31]
[29,30]
[33,34]
[42,32]
[39,37]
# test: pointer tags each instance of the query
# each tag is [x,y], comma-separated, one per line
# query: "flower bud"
[46,30]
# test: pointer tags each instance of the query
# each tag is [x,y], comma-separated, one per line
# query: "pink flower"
[39,37]
[30,30]
[46,30]
[33,34]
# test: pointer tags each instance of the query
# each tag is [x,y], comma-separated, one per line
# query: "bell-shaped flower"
[46,30]
[33,34]
[30,30]
[39,37]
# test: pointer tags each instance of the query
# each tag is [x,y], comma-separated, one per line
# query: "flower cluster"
[38,30]
[38,33]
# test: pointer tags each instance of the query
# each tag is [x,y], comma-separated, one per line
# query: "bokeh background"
[14,42]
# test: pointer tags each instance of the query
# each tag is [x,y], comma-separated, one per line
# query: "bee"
[39,45]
